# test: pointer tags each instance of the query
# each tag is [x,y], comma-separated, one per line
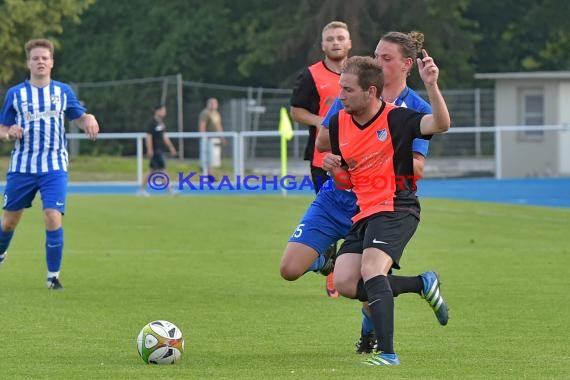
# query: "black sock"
[361,294]
[405,284]
[381,303]
[399,285]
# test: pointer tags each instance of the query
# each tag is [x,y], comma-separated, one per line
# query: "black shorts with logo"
[388,231]
[157,161]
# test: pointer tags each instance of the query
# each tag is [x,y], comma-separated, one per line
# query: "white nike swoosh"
[378,241]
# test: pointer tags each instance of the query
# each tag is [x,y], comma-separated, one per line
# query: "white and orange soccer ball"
[160,342]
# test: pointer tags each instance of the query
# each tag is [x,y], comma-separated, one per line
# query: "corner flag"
[286,133]
[285,127]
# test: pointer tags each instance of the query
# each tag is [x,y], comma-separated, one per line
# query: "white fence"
[438,164]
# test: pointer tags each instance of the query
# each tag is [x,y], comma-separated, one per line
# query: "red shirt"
[326,82]
[379,158]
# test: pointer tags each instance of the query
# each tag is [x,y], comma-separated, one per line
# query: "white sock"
[53,274]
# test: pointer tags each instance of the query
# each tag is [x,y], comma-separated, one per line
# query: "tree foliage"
[522,35]
[266,42]
[26,19]
[254,42]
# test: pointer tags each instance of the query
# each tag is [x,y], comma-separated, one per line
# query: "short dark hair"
[368,70]
[159,106]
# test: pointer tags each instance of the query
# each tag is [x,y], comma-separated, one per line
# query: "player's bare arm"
[439,121]
[4,133]
[169,144]
[301,115]
[323,142]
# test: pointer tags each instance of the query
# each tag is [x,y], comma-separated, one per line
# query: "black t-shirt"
[305,95]
[156,129]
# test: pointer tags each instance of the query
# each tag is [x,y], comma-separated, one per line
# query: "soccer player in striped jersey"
[33,117]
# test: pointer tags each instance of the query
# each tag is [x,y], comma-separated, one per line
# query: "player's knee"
[9,226]
[345,286]
[289,272]
[9,223]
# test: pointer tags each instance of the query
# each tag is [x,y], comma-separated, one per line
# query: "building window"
[532,113]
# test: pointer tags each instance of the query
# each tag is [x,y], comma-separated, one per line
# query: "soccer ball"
[160,342]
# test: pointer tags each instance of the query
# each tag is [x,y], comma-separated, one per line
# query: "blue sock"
[367,326]
[317,264]
[5,238]
[54,249]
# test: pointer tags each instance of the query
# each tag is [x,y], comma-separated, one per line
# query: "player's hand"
[331,161]
[90,126]
[341,178]
[15,132]
[429,71]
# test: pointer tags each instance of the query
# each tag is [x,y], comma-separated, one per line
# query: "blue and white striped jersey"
[40,112]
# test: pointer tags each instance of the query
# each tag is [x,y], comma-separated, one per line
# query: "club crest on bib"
[382,135]
[54,99]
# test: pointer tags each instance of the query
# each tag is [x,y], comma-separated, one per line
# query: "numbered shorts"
[21,189]
[327,220]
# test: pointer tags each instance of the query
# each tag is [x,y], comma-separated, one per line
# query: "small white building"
[532,99]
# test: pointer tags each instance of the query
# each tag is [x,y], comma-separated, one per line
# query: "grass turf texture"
[211,266]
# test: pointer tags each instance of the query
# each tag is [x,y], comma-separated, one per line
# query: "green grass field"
[211,266]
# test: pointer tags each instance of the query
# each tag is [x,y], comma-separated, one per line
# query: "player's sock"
[405,284]
[54,249]
[381,304]
[53,274]
[367,326]
[398,284]
[317,264]
[5,238]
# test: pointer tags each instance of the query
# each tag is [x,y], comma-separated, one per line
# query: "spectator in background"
[210,120]
[156,141]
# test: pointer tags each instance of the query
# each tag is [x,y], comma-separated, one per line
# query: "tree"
[250,42]
[521,35]
[23,20]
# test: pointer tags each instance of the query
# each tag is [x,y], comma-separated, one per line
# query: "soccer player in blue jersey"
[328,218]
[33,116]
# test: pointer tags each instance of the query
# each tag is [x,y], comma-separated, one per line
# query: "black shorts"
[387,231]
[319,176]
[157,161]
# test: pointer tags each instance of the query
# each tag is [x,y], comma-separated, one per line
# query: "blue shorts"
[327,220]
[21,189]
